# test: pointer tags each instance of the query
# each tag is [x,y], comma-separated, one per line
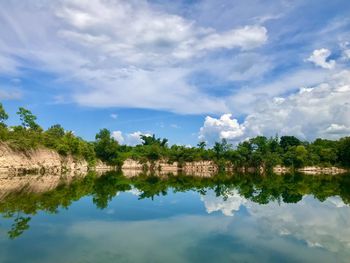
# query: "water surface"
[241,218]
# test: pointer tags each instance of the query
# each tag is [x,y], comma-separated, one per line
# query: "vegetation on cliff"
[256,152]
[29,135]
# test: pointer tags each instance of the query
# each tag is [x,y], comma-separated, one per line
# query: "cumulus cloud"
[319,58]
[319,111]
[337,129]
[131,139]
[118,136]
[223,128]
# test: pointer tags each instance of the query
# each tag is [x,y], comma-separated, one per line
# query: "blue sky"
[185,70]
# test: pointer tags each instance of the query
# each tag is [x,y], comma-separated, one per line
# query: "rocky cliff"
[41,161]
[199,168]
[210,168]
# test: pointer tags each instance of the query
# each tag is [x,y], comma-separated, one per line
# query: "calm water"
[245,218]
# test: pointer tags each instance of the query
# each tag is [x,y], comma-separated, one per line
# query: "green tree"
[296,156]
[220,148]
[56,131]
[3,115]
[106,147]
[288,141]
[20,225]
[151,140]
[344,151]
[202,145]
[28,119]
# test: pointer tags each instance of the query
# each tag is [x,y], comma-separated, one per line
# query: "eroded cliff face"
[209,168]
[311,170]
[200,168]
[41,161]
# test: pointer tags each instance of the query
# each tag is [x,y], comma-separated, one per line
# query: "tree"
[296,156]
[20,225]
[259,144]
[28,119]
[344,151]
[106,147]
[3,115]
[55,131]
[202,145]
[151,140]
[220,148]
[288,141]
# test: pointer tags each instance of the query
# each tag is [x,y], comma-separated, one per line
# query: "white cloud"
[247,99]
[8,65]
[10,93]
[131,139]
[119,53]
[134,138]
[337,129]
[223,128]
[118,136]
[347,54]
[246,37]
[114,116]
[319,58]
[345,48]
[320,111]
[146,55]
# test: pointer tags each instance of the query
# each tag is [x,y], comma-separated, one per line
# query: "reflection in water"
[325,226]
[290,217]
[228,205]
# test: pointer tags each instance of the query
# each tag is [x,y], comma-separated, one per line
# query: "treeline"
[260,151]
[256,152]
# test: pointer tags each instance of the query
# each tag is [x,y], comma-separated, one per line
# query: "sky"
[186,70]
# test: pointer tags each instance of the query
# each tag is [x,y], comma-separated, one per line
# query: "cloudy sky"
[187,70]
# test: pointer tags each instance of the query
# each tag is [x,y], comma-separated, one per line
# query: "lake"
[239,218]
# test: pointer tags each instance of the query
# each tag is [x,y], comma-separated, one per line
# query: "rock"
[321,170]
[280,169]
[41,161]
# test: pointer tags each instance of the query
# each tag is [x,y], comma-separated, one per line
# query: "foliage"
[344,151]
[28,119]
[106,147]
[255,152]
[30,136]
[3,115]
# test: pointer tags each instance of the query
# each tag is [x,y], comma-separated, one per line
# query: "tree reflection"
[19,226]
[289,188]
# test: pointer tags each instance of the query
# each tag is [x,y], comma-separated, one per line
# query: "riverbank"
[209,168]
[43,161]
[47,161]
